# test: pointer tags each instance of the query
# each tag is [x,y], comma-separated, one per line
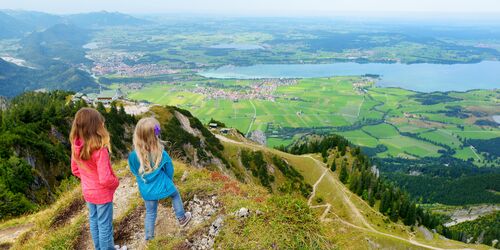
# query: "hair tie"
[157,130]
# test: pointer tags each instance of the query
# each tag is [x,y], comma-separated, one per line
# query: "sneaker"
[187,217]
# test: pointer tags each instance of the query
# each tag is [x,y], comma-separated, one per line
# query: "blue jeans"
[101,225]
[151,212]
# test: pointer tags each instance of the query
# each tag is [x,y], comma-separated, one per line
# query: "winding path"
[345,197]
[367,226]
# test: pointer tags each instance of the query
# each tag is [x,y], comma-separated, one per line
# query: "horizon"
[276,8]
[368,16]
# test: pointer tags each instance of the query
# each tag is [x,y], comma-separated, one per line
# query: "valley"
[408,113]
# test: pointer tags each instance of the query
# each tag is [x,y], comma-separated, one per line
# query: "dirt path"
[10,234]
[347,200]
[121,202]
[367,226]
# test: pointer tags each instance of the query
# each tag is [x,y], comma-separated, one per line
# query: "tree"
[410,215]
[333,167]
[371,199]
[343,175]
[394,213]
[385,202]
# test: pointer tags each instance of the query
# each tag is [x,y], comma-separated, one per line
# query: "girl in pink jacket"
[90,147]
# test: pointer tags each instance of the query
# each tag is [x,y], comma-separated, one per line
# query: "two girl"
[90,162]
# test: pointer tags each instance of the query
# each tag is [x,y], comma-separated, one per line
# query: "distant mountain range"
[15,24]
[53,45]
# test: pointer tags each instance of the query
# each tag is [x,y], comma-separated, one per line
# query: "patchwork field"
[406,123]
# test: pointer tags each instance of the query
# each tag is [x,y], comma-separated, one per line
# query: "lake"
[496,118]
[422,77]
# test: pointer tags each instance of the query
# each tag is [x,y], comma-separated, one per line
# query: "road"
[253,119]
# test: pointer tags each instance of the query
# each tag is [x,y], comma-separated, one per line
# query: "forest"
[445,180]
[395,202]
[35,152]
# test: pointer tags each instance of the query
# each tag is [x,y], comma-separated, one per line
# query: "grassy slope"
[351,219]
[286,222]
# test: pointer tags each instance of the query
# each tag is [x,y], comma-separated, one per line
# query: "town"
[262,89]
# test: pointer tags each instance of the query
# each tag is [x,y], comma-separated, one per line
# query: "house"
[212,125]
[224,131]
[104,100]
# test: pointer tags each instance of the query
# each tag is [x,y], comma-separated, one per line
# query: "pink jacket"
[98,180]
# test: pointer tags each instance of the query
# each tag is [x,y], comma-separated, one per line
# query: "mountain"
[236,190]
[35,20]
[61,42]
[57,54]
[104,18]
[16,79]
[11,27]
[18,23]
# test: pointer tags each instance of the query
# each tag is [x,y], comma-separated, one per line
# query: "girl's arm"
[133,163]
[74,168]
[169,168]
[104,171]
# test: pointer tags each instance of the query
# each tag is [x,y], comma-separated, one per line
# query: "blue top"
[157,184]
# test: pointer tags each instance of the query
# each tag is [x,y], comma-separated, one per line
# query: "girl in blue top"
[153,169]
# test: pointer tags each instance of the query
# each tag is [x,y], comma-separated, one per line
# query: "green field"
[393,117]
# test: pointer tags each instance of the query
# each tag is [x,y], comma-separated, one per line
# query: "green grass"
[441,136]
[333,102]
[381,131]
[405,145]
[359,137]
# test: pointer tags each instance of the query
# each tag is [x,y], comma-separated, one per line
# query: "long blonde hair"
[88,126]
[147,144]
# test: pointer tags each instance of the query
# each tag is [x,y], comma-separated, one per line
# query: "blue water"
[419,77]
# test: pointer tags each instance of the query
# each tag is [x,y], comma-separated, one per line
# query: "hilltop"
[236,189]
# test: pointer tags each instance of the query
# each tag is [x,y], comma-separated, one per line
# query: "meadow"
[409,124]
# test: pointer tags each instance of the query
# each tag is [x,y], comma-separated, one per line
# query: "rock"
[202,208]
[243,212]
[258,137]
[494,242]
[184,176]
[216,226]
[258,212]
[206,241]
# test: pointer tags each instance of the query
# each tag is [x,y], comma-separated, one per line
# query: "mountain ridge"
[229,201]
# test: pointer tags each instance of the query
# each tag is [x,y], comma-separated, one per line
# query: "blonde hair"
[88,126]
[147,144]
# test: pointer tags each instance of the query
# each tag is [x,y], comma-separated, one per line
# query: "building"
[104,97]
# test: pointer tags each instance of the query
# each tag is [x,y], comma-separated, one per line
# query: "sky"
[258,7]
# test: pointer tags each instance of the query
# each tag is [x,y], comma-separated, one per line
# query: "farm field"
[405,123]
